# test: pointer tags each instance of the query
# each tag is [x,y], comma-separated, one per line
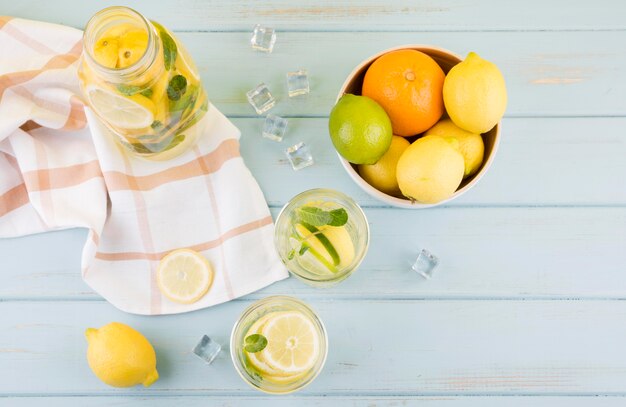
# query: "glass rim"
[263,302]
[346,271]
[147,58]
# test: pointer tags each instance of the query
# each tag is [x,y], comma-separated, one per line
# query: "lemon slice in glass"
[292,343]
[184,276]
[256,359]
[125,112]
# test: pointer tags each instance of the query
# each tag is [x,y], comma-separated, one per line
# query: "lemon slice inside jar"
[124,112]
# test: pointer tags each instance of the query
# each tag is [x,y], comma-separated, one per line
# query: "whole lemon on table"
[430,170]
[408,85]
[120,356]
[470,145]
[359,129]
[474,94]
[382,175]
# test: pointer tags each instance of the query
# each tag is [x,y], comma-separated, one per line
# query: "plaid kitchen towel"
[60,169]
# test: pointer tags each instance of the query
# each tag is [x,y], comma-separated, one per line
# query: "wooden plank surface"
[484,253]
[376,347]
[526,307]
[290,401]
[544,73]
[346,15]
[540,162]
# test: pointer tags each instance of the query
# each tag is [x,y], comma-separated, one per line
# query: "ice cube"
[207,349]
[425,264]
[274,127]
[297,83]
[263,38]
[299,156]
[261,99]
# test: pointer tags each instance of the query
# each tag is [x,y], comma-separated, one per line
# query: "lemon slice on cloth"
[126,112]
[292,343]
[184,276]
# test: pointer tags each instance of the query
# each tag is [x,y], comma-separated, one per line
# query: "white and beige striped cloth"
[59,169]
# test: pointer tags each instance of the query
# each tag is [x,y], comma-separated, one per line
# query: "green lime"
[360,129]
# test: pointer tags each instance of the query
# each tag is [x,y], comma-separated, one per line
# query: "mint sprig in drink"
[322,236]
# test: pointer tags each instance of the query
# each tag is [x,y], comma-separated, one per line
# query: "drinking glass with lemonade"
[322,236]
[279,345]
[141,83]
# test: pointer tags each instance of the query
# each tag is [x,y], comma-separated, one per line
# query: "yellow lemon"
[184,276]
[382,175]
[120,356]
[474,94]
[430,170]
[106,48]
[132,46]
[292,343]
[105,51]
[470,145]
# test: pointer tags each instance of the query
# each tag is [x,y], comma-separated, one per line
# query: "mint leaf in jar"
[147,93]
[128,90]
[170,50]
[177,87]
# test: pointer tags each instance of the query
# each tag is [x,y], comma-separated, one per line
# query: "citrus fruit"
[120,46]
[105,51]
[470,145]
[382,175]
[408,85]
[292,342]
[120,356]
[184,276]
[131,47]
[256,358]
[359,129]
[126,112]
[330,245]
[474,93]
[430,170]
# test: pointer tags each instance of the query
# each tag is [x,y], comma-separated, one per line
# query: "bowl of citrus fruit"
[417,126]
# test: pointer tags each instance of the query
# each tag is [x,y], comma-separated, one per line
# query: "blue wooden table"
[527,306]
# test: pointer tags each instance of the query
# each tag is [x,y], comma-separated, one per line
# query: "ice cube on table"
[261,99]
[425,264]
[299,156]
[263,38]
[274,127]
[207,349]
[298,83]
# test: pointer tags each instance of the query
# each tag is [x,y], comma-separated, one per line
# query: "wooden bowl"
[446,61]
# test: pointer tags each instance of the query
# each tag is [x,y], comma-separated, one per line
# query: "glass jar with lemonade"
[141,83]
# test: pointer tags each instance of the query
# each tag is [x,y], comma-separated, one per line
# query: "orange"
[408,84]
